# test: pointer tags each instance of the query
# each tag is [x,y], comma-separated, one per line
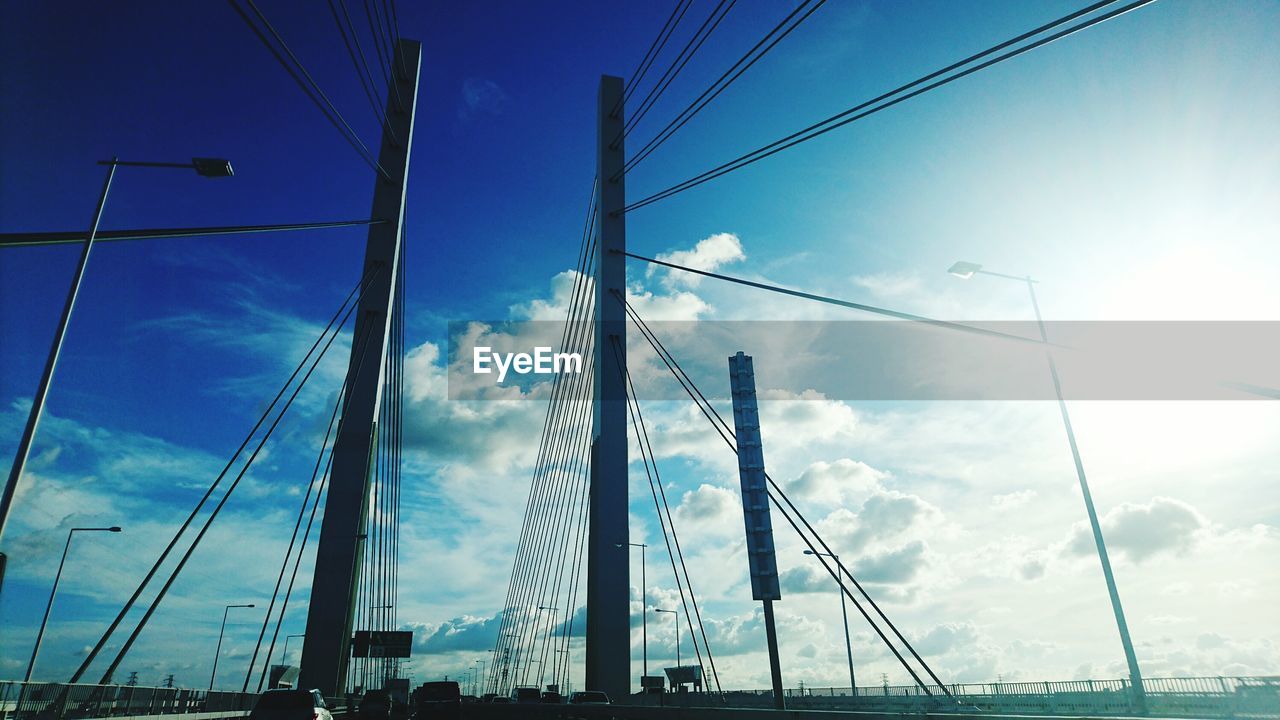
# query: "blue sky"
[1132,168]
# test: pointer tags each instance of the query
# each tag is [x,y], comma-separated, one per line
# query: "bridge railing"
[1169,697]
[61,701]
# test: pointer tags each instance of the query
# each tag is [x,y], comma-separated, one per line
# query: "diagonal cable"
[869,107]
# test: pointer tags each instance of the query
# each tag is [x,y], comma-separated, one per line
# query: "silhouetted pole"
[644,616]
[53,593]
[844,617]
[608,581]
[221,631]
[208,167]
[966,270]
[762,560]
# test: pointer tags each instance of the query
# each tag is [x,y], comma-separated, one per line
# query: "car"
[441,699]
[551,697]
[589,697]
[500,699]
[290,705]
[526,695]
[375,705]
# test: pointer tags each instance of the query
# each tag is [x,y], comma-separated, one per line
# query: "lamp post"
[207,167]
[506,662]
[676,613]
[475,685]
[564,688]
[49,607]
[644,617]
[541,608]
[966,270]
[218,651]
[385,665]
[844,614]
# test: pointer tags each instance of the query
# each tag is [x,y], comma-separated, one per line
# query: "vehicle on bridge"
[290,705]
[552,697]
[526,695]
[441,699]
[589,697]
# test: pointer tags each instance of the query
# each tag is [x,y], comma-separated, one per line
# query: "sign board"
[381,644]
[761,559]
[653,681]
[282,676]
[685,675]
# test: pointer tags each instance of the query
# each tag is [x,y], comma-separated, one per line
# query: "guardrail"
[60,701]
[1225,697]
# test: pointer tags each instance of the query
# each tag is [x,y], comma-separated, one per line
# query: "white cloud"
[708,254]
[1143,531]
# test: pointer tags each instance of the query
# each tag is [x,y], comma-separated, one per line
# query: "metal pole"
[218,651]
[644,616]
[677,618]
[51,363]
[326,650]
[47,608]
[775,670]
[1135,674]
[608,666]
[844,614]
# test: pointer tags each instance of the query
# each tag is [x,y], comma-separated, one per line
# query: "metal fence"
[1257,697]
[58,701]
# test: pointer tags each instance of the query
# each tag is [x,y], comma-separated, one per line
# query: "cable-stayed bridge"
[570,574]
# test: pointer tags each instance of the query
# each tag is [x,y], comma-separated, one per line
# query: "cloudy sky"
[1131,169]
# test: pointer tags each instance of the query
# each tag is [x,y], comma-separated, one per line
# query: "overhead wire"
[344,400]
[308,85]
[945,324]
[549,519]
[27,239]
[517,587]
[662,508]
[177,570]
[686,54]
[721,83]
[727,434]
[870,107]
[362,68]
[521,565]
[385,54]
[93,653]
[312,486]
[655,47]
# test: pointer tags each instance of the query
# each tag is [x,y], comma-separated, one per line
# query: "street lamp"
[966,270]
[677,619]
[535,636]
[564,688]
[49,607]
[218,651]
[644,617]
[844,614]
[207,167]
[483,664]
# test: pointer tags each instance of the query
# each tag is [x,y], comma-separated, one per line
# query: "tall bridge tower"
[326,650]
[608,572]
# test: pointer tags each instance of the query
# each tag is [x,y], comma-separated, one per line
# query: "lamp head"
[964,270]
[114,528]
[212,167]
